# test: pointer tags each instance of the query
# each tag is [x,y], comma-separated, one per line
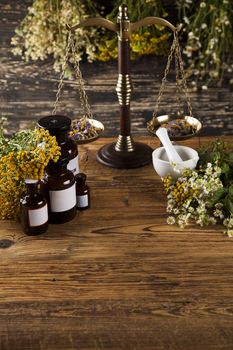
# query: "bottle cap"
[31,181]
[80,178]
[55,124]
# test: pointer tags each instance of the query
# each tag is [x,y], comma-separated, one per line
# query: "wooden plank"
[117,277]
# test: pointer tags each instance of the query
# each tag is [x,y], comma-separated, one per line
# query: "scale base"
[141,155]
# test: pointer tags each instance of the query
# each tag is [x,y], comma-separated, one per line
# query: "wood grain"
[117,277]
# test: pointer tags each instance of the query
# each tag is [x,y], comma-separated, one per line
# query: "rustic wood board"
[117,277]
[27,90]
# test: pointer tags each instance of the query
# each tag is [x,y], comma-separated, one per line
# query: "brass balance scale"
[125,152]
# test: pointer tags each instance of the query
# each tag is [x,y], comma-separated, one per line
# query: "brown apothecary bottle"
[58,126]
[33,210]
[60,189]
[82,192]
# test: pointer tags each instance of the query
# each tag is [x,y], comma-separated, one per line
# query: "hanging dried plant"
[43,31]
[148,40]
[209,44]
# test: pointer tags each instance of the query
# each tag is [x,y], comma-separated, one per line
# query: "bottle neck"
[80,183]
[61,138]
[57,170]
[32,189]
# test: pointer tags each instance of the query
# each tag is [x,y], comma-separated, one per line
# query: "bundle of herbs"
[147,40]
[24,155]
[204,195]
[208,38]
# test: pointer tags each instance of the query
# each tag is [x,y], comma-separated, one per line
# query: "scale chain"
[178,85]
[184,81]
[161,90]
[82,93]
[179,66]
[61,81]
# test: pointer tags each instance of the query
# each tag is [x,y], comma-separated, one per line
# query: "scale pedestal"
[131,155]
[124,153]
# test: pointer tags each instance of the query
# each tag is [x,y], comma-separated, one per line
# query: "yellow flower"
[20,164]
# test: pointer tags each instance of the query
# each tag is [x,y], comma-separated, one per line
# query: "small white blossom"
[217,170]
[218,214]
[191,209]
[229,233]
[218,205]
[176,211]
[191,35]
[171,220]
[169,208]
[181,223]
[226,222]
[212,221]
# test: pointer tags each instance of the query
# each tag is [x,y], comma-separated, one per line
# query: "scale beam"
[124,153]
[151,20]
[96,22]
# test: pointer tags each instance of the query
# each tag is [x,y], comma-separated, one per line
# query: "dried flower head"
[23,156]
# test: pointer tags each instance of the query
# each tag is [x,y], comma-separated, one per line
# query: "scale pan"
[162,120]
[95,128]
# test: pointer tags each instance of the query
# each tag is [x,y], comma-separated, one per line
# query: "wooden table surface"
[117,277]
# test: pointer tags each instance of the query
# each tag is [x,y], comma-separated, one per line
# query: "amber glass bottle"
[58,126]
[33,210]
[82,192]
[59,185]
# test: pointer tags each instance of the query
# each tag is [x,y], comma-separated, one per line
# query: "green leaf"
[228,202]
[230,191]
[225,169]
[230,157]
[227,174]
[218,196]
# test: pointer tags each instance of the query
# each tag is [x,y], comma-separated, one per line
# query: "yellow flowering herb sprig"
[142,43]
[151,40]
[25,155]
[204,195]
[189,198]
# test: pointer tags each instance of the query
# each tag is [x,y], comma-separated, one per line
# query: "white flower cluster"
[228,222]
[189,198]
[43,31]
[209,42]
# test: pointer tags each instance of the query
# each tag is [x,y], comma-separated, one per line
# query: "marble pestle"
[172,154]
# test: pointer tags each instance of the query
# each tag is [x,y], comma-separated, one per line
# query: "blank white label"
[62,200]
[73,165]
[82,201]
[38,217]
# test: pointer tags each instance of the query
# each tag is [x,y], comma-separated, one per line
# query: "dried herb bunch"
[209,43]
[204,195]
[147,41]
[43,30]
[208,28]
[25,155]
